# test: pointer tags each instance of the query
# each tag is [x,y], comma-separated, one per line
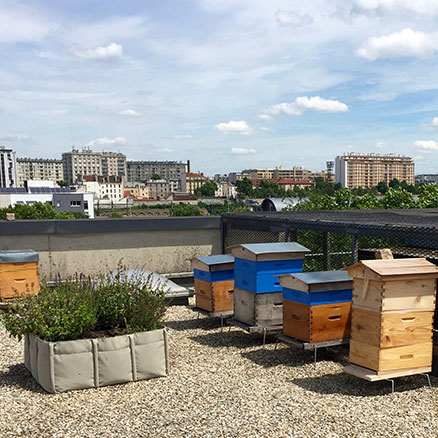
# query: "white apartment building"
[110,188]
[78,163]
[39,169]
[8,168]
[225,190]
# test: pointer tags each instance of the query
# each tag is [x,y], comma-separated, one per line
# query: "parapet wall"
[67,247]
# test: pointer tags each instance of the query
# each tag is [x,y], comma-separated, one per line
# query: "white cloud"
[292,19]
[381,7]
[182,137]
[19,23]
[234,127]
[427,145]
[381,144]
[113,50]
[435,122]
[243,151]
[105,141]
[404,43]
[300,104]
[14,137]
[130,112]
[165,150]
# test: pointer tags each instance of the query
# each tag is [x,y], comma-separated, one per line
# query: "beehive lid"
[317,281]
[18,256]
[379,269]
[219,262]
[269,251]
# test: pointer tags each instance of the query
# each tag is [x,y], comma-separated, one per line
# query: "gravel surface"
[221,384]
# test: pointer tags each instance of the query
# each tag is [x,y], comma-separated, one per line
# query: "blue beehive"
[214,268]
[258,266]
[315,288]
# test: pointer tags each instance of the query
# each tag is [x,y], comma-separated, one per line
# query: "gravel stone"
[221,384]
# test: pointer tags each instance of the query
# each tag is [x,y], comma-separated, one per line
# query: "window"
[75,203]
[86,205]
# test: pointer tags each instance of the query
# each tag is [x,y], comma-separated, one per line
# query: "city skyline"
[250,84]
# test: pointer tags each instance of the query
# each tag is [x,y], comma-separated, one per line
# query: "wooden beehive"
[317,305]
[18,274]
[214,296]
[214,282]
[392,314]
[260,310]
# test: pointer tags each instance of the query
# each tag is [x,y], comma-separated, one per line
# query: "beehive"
[258,299]
[317,305]
[392,314]
[18,273]
[258,265]
[214,282]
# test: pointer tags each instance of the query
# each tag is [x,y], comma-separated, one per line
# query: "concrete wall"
[164,245]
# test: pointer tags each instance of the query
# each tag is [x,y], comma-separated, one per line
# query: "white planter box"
[87,363]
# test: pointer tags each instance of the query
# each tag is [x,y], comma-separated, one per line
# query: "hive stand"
[372,376]
[267,330]
[309,345]
[222,315]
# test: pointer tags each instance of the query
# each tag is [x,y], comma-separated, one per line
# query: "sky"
[227,84]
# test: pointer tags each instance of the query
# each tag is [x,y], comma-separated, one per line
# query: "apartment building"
[295,173]
[104,187]
[191,181]
[78,163]
[367,170]
[225,190]
[137,191]
[8,168]
[144,170]
[158,189]
[39,169]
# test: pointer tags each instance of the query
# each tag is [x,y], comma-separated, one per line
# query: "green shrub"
[186,210]
[114,304]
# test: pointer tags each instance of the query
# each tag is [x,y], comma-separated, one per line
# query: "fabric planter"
[87,363]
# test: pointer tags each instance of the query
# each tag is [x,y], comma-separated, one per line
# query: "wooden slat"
[18,279]
[373,298]
[214,297]
[365,326]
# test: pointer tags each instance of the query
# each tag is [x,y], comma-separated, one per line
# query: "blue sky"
[228,84]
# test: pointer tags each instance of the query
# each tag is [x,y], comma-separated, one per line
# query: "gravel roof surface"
[221,384]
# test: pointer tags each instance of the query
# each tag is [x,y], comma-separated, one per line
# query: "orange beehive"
[18,273]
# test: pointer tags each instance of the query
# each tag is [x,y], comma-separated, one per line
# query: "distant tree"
[428,196]
[39,210]
[395,184]
[155,177]
[62,183]
[244,188]
[382,187]
[207,189]
[186,210]
[398,199]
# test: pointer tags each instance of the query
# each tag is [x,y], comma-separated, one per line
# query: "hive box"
[257,266]
[18,273]
[317,305]
[214,282]
[392,314]
[260,310]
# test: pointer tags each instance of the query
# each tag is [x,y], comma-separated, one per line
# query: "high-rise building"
[367,170]
[78,163]
[8,168]
[39,169]
[141,171]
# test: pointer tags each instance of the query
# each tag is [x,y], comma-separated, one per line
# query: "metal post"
[326,250]
[223,233]
[315,354]
[264,336]
[353,249]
